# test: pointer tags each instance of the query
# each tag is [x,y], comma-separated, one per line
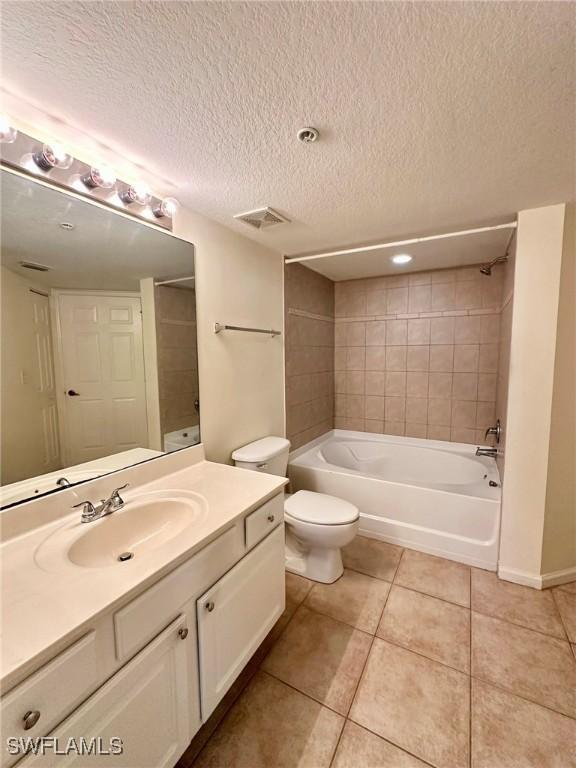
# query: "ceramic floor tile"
[570,587]
[273,725]
[415,703]
[297,587]
[355,599]
[508,732]
[529,664]
[566,602]
[531,608]
[358,748]
[320,657]
[372,557]
[426,625]
[435,576]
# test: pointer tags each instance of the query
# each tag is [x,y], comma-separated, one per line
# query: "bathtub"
[428,495]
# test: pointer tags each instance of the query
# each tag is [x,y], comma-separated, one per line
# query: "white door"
[236,614]
[43,386]
[102,363]
[145,705]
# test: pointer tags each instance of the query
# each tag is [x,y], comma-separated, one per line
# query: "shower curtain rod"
[411,241]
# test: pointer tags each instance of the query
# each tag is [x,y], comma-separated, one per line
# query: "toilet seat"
[320,509]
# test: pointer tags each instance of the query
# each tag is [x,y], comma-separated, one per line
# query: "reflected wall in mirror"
[98,327]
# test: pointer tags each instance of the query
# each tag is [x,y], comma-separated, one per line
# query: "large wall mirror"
[98,329]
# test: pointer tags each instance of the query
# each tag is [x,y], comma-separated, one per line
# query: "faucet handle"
[88,510]
[495,431]
[115,497]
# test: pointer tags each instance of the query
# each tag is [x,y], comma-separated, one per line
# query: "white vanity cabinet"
[152,670]
[236,614]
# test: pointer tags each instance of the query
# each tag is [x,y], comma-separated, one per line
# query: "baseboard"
[555,578]
[538,581]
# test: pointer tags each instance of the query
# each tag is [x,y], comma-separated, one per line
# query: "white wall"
[559,546]
[238,282]
[532,358]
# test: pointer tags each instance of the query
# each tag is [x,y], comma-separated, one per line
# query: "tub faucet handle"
[494,431]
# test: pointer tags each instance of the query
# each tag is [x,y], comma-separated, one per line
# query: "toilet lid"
[319,508]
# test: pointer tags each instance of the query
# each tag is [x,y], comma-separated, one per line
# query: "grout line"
[522,626]
[388,741]
[565,627]
[522,698]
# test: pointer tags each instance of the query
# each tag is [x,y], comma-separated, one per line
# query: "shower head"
[486,269]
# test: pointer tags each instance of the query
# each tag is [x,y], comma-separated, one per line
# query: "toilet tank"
[270,455]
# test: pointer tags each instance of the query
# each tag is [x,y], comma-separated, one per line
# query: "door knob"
[73,393]
[183,633]
[209,606]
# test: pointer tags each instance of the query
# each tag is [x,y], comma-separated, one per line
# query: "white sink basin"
[146,523]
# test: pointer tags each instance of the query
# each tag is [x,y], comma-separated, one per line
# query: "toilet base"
[323,565]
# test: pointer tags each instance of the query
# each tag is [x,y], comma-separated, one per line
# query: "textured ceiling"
[432,115]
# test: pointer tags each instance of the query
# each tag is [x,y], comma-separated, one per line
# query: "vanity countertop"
[42,608]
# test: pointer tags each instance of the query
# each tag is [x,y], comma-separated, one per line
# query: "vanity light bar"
[397,243]
[54,165]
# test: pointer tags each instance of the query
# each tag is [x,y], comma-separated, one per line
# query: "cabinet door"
[145,705]
[236,614]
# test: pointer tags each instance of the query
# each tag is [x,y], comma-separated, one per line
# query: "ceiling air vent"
[33,265]
[262,218]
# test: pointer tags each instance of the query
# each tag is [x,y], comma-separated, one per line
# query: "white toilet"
[317,525]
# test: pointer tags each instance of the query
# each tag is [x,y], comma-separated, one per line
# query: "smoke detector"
[308,135]
[262,218]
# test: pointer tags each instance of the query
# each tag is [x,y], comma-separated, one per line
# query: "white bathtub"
[425,494]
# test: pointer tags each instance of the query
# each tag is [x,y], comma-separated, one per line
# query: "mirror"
[99,363]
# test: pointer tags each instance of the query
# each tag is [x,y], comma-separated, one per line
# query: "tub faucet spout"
[493,452]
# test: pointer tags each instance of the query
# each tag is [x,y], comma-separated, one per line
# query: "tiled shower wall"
[417,354]
[309,349]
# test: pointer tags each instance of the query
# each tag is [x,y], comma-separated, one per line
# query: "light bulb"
[7,133]
[167,208]
[136,193]
[102,177]
[402,258]
[53,156]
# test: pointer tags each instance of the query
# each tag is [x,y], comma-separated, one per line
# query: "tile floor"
[408,660]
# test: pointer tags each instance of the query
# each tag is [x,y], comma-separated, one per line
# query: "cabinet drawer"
[53,691]
[147,615]
[263,520]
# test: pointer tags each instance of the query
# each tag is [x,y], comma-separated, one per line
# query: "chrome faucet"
[493,452]
[106,506]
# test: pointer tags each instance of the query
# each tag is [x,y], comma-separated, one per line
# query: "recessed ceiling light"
[402,258]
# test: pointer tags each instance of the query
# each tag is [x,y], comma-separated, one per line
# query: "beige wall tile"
[462,435]
[438,433]
[417,384]
[465,386]
[467,330]
[464,413]
[374,407]
[396,358]
[375,358]
[417,410]
[375,382]
[442,330]
[489,329]
[439,413]
[420,278]
[443,296]
[418,358]
[396,332]
[355,358]
[340,355]
[376,302]
[419,298]
[355,406]
[442,357]
[419,331]
[468,295]
[395,383]
[488,362]
[440,385]
[397,300]
[415,430]
[356,335]
[355,381]
[466,357]
[374,425]
[485,415]
[376,333]
[394,427]
[395,409]
[487,386]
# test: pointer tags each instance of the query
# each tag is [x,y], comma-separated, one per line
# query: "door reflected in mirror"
[98,328]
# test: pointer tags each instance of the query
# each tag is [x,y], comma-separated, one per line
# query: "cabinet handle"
[209,606]
[270,518]
[30,719]
[183,633]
